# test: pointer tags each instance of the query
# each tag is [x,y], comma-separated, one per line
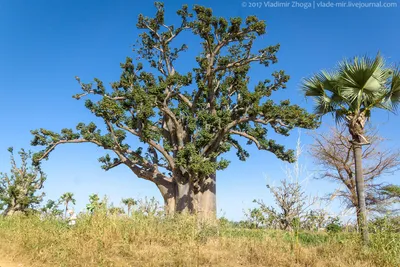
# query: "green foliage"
[255,218]
[391,191]
[67,198]
[95,204]
[315,219]
[116,210]
[307,238]
[334,226]
[224,222]
[385,240]
[385,223]
[19,188]
[129,202]
[52,208]
[357,85]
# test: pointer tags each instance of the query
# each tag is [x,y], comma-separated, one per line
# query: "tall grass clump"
[385,240]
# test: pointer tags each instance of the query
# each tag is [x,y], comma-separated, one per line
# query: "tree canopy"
[352,90]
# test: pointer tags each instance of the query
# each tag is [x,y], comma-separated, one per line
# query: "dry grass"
[140,241]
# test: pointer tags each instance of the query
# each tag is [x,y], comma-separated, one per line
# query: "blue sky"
[45,44]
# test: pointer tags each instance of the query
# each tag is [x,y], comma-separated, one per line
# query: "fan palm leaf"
[393,96]
[362,80]
[356,85]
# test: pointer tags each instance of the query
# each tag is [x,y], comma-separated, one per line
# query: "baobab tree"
[186,120]
[350,93]
[18,190]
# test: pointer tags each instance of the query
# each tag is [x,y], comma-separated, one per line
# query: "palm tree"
[350,93]
[129,202]
[67,198]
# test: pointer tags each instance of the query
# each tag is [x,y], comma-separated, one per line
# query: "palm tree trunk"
[66,210]
[358,218]
[362,209]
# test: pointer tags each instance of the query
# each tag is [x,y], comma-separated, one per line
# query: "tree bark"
[207,199]
[362,209]
[168,190]
[12,210]
[66,210]
[184,198]
[358,218]
[178,197]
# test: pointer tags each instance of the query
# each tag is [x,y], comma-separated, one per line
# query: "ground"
[6,263]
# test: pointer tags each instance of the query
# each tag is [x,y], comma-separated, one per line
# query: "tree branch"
[248,136]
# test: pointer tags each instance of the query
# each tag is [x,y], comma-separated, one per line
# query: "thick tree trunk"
[169,205]
[183,198]
[362,209]
[12,210]
[178,197]
[168,190]
[207,199]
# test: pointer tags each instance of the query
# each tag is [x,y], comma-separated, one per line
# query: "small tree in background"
[334,225]
[52,208]
[18,190]
[129,203]
[95,204]
[149,207]
[67,198]
[316,219]
[256,218]
[293,205]
[334,154]
[116,211]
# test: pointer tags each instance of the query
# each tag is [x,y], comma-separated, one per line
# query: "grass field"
[101,240]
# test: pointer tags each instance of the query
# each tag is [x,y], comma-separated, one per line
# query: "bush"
[334,226]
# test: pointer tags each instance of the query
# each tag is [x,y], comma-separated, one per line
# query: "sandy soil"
[6,263]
